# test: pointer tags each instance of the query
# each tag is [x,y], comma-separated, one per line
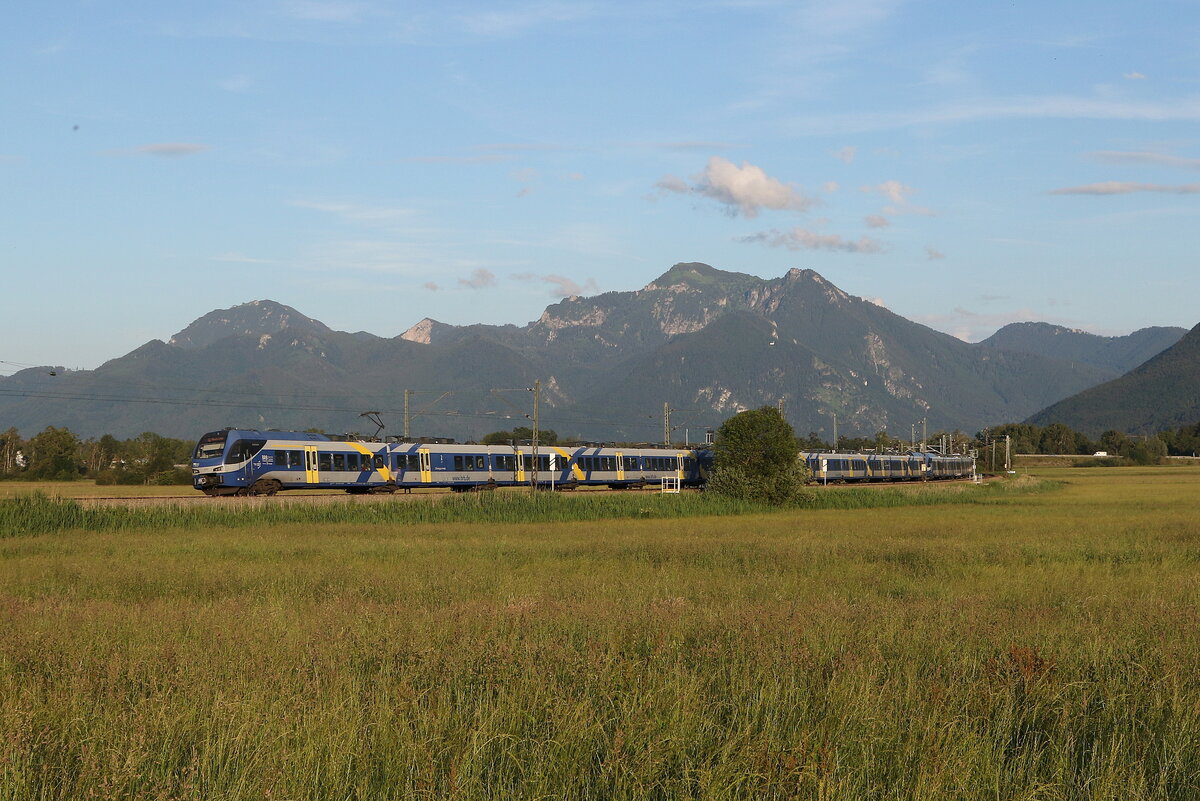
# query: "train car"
[912,466]
[250,462]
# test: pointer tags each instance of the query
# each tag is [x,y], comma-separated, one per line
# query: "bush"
[755,458]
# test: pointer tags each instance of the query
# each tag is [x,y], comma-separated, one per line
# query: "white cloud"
[934,254]
[832,186]
[897,193]
[846,154]
[892,190]
[562,287]
[480,279]
[431,286]
[1125,188]
[877,221]
[743,190]
[1135,76]
[802,239]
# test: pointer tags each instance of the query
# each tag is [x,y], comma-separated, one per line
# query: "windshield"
[211,446]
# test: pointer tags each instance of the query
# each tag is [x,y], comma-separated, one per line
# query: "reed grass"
[39,513]
[1024,645]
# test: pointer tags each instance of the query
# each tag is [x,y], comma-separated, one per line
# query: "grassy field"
[1035,645]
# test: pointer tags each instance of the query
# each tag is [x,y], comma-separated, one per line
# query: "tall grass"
[37,513]
[1035,645]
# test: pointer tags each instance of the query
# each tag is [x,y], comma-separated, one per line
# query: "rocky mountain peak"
[258,318]
[425,331]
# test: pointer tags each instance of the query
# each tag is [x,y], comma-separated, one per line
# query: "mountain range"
[703,341]
[1160,394]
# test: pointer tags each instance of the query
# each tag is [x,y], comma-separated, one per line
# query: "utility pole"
[666,425]
[407,395]
[537,397]
[835,436]
[781,405]
[1007,452]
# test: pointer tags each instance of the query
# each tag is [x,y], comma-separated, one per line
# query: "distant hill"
[705,341]
[1118,355]
[1162,393]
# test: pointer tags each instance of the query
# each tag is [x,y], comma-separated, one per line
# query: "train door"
[426,465]
[311,476]
[620,457]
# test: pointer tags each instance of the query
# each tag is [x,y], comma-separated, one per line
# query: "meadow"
[1029,641]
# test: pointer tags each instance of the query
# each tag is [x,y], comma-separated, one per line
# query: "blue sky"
[374,163]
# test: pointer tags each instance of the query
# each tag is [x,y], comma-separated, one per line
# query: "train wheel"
[264,486]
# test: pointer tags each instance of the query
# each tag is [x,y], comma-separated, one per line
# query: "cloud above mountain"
[744,190]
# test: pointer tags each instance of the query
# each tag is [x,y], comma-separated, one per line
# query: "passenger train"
[248,462]
[242,462]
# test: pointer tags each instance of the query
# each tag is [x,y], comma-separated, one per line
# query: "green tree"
[546,436]
[54,455]
[755,458]
[10,446]
[1057,438]
[1146,450]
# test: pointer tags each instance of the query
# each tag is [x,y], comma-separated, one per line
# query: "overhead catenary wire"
[101,397]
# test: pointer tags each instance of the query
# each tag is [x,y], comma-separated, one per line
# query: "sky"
[374,163]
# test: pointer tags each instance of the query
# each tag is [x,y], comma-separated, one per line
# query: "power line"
[97,397]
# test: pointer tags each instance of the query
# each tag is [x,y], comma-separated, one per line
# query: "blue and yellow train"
[245,462]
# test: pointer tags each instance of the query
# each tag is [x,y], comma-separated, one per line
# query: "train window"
[281,458]
[378,461]
[243,450]
[351,461]
[481,463]
[339,461]
[323,462]
[458,462]
[211,446]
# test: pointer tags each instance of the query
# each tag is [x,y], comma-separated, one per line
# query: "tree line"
[58,454]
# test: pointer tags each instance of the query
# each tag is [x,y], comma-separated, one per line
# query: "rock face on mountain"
[261,318]
[1162,393]
[707,342]
[1117,354]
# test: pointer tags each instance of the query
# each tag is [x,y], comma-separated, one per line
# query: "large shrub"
[755,458]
